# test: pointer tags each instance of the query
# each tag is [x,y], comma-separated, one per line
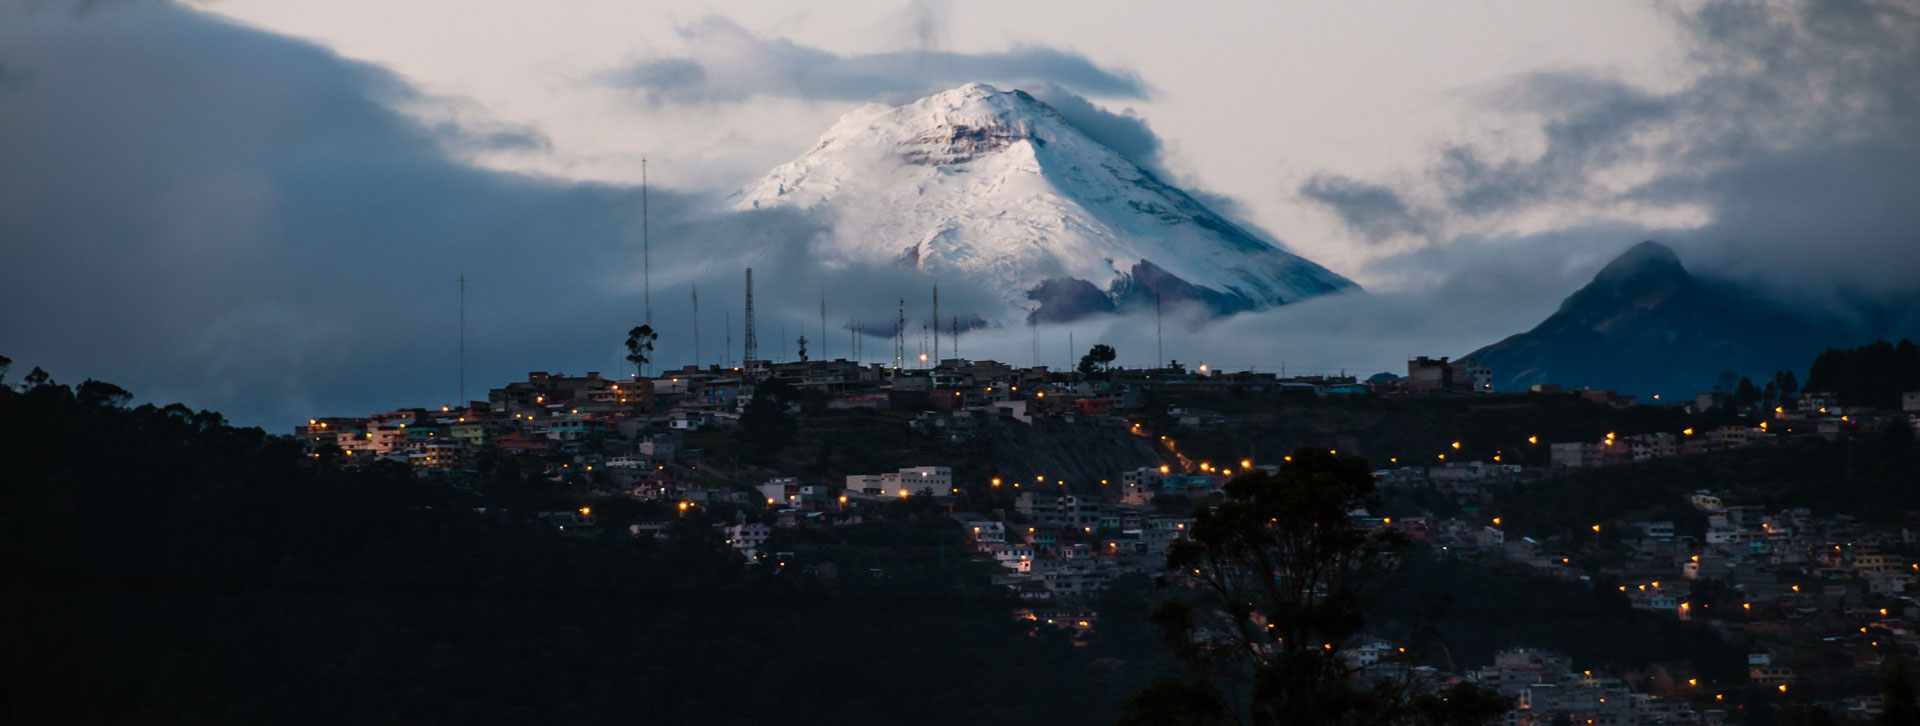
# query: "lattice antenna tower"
[900,337]
[750,348]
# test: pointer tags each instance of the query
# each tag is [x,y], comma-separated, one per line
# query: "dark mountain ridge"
[1646,325]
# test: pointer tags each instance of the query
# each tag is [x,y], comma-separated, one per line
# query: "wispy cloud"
[1797,137]
[211,213]
[727,63]
[1375,211]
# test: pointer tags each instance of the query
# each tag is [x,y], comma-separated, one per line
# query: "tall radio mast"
[750,348]
[900,337]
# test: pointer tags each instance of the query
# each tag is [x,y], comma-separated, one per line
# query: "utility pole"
[696,326]
[823,322]
[936,322]
[900,338]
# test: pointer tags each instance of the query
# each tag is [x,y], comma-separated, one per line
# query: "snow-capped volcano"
[998,190]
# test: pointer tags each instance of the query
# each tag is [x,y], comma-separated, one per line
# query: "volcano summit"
[998,191]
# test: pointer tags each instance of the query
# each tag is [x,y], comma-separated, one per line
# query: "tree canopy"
[1097,360]
[1870,375]
[1282,581]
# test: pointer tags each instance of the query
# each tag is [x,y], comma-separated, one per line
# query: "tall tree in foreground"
[1282,580]
[640,348]
[1097,360]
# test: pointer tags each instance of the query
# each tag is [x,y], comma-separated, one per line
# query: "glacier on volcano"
[997,191]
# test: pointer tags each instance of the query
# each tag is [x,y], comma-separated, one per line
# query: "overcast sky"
[259,206]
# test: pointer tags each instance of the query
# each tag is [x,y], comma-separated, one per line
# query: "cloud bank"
[728,64]
[210,213]
[214,214]
[1795,136]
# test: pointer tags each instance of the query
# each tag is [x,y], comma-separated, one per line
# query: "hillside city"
[1781,582]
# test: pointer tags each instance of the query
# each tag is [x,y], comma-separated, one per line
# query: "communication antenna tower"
[900,337]
[750,348]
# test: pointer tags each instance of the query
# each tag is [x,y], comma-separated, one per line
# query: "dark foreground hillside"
[160,567]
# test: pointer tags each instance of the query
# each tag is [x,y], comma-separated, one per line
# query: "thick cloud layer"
[209,213]
[1797,141]
[729,63]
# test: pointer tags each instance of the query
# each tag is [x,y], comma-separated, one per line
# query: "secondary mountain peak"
[1646,326]
[1000,191]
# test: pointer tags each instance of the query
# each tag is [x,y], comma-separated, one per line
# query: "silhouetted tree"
[1745,395]
[640,348]
[1283,579]
[765,426]
[1787,383]
[1870,375]
[1097,360]
[94,393]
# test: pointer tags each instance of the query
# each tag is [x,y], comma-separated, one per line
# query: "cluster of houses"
[1785,581]
[1813,415]
[1055,547]
[1544,686]
[628,433]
